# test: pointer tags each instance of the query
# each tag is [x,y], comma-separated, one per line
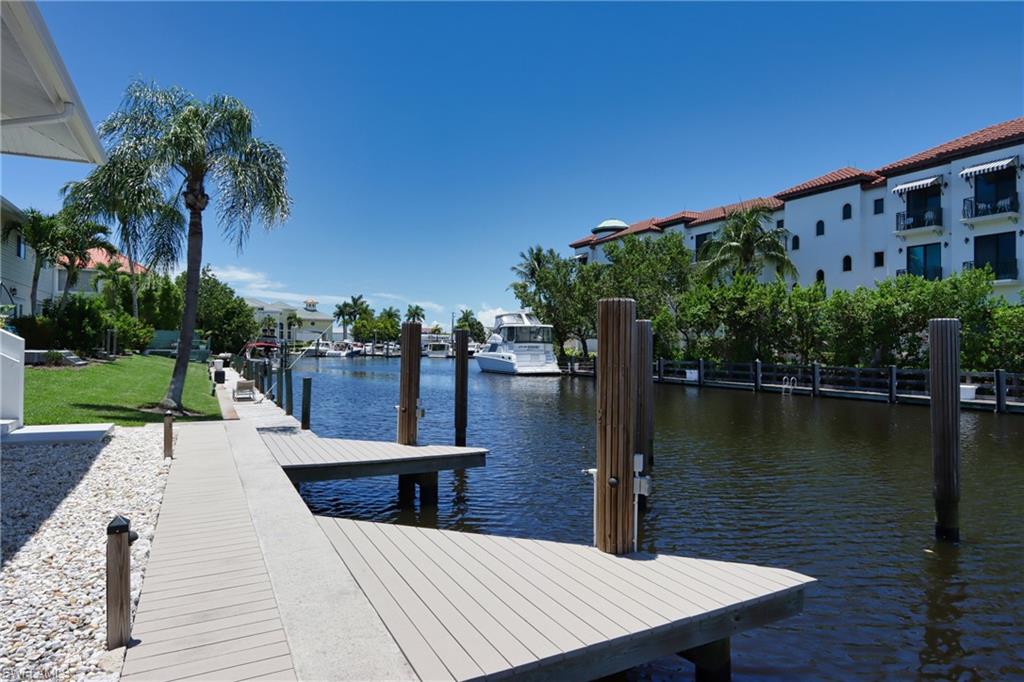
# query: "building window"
[796,242]
[847,264]
[700,240]
[20,246]
[924,208]
[781,224]
[998,251]
[879,206]
[819,277]
[819,228]
[847,211]
[995,192]
[925,261]
[879,259]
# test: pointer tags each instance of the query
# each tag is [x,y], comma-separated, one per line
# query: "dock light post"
[120,536]
[944,388]
[168,434]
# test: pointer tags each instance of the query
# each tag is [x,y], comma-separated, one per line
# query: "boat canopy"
[516,319]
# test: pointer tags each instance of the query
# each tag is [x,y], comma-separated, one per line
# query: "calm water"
[836,489]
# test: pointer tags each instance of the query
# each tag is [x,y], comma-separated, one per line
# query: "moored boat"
[520,345]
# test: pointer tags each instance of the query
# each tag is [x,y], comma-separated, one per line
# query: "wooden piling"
[757,375]
[816,379]
[461,385]
[700,371]
[661,369]
[1000,381]
[168,434]
[644,439]
[307,389]
[712,660]
[409,383]
[944,389]
[119,582]
[279,387]
[892,383]
[616,423]
[289,392]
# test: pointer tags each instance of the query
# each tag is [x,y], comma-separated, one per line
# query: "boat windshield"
[526,334]
[438,346]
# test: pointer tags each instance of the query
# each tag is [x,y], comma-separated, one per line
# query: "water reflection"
[839,490]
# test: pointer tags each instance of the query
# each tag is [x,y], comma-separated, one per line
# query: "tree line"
[720,308]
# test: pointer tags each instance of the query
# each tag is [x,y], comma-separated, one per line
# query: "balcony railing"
[1002,269]
[910,220]
[930,272]
[973,208]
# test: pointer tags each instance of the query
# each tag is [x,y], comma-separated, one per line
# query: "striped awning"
[917,184]
[990,167]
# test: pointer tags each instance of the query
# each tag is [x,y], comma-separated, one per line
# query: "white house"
[281,321]
[952,207]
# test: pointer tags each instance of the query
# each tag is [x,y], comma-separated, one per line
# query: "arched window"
[847,264]
[820,277]
[847,211]
[796,242]
[819,228]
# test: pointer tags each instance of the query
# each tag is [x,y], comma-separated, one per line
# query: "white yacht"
[520,345]
[437,349]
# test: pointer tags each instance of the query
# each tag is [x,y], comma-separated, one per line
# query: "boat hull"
[505,363]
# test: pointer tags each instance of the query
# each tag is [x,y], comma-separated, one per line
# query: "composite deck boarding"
[467,606]
[305,456]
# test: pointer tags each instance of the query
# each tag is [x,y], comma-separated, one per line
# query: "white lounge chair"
[244,388]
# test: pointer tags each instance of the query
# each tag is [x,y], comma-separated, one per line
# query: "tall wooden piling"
[944,388]
[700,371]
[119,582]
[408,415]
[307,392]
[816,379]
[644,439]
[757,375]
[461,385]
[892,383]
[289,391]
[1000,388]
[616,423]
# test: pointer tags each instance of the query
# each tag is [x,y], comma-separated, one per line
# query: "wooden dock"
[468,606]
[307,457]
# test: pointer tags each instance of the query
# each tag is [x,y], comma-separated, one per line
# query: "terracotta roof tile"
[840,177]
[676,218]
[722,212]
[998,135]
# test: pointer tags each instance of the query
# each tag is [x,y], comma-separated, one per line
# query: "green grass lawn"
[112,392]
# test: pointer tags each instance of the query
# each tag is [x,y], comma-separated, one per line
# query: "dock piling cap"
[117,525]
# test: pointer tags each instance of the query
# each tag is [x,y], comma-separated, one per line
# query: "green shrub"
[40,333]
[80,322]
[53,359]
[131,333]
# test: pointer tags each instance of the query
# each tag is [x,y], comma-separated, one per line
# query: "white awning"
[917,184]
[990,167]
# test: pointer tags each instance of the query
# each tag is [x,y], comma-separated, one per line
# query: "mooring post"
[168,434]
[119,582]
[461,384]
[408,406]
[616,423]
[661,369]
[816,379]
[307,390]
[892,383]
[290,392]
[700,371]
[713,661]
[1000,381]
[757,375]
[644,438]
[944,389]
[279,384]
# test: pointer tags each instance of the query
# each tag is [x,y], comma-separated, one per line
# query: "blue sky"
[430,143]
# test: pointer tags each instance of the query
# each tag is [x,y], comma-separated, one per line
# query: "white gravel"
[56,502]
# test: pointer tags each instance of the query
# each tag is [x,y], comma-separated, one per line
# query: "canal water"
[836,489]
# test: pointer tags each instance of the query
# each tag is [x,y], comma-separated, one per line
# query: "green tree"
[467,320]
[226,318]
[38,231]
[75,237]
[110,281]
[171,303]
[650,271]
[185,142]
[388,325]
[805,308]
[697,321]
[1005,349]
[747,244]
[414,313]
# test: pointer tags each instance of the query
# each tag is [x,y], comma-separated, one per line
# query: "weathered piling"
[757,375]
[944,388]
[644,439]
[816,379]
[461,384]
[289,392]
[279,381]
[1000,388]
[408,416]
[700,371]
[168,434]
[307,390]
[616,423]
[119,582]
[892,383]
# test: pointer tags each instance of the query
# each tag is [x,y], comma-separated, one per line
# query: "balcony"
[923,221]
[1002,270]
[929,272]
[977,211]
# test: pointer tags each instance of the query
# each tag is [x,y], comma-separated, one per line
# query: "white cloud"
[487,315]
[399,298]
[256,284]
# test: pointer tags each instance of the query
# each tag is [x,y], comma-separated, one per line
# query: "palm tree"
[391,313]
[126,191]
[414,313]
[360,308]
[747,244]
[184,142]
[38,231]
[75,237]
[343,316]
[111,277]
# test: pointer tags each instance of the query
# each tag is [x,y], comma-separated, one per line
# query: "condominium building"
[949,208]
[280,321]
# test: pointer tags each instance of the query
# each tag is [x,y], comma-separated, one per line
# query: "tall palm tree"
[126,190]
[76,236]
[531,263]
[109,279]
[391,313]
[185,142]
[38,231]
[747,243]
[414,313]
[343,316]
[360,308]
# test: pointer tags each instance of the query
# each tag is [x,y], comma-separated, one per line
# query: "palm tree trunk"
[36,268]
[133,280]
[195,200]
